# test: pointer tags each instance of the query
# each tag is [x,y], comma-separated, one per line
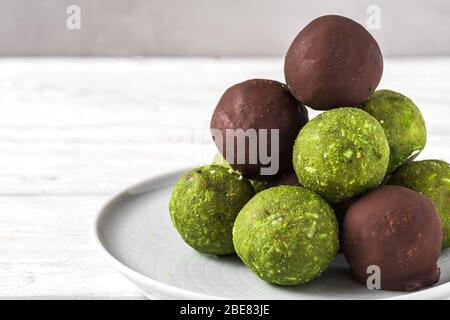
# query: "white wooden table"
[73,132]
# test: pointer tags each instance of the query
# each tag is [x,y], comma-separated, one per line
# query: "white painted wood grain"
[75,131]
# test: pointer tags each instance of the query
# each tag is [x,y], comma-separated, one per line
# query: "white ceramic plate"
[135,236]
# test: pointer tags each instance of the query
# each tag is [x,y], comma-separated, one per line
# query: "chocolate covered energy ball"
[257,185]
[288,178]
[340,209]
[341,153]
[333,62]
[251,107]
[397,230]
[204,204]
[431,178]
[402,122]
[286,235]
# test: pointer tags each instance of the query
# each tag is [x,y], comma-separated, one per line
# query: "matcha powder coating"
[341,153]
[204,205]
[403,125]
[431,178]
[286,235]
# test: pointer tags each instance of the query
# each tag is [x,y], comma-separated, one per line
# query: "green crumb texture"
[219,160]
[431,178]
[257,185]
[341,153]
[403,125]
[286,235]
[204,204]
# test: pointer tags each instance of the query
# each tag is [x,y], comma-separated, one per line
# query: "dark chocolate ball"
[398,230]
[258,104]
[340,209]
[288,178]
[333,62]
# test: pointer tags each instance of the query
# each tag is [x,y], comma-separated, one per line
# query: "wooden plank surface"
[73,132]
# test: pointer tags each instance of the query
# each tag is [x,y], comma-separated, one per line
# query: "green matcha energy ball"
[341,153]
[256,184]
[402,122]
[204,204]
[286,235]
[431,178]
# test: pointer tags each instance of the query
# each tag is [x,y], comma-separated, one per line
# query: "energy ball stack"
[328,190]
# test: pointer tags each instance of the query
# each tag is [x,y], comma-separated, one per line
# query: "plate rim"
[172,290]
[121,267]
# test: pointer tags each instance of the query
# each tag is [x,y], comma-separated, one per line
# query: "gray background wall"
[208,27]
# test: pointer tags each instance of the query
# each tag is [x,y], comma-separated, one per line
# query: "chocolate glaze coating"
[333,62]
[398,230]
[340,209]
[260,104]
[288,178]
